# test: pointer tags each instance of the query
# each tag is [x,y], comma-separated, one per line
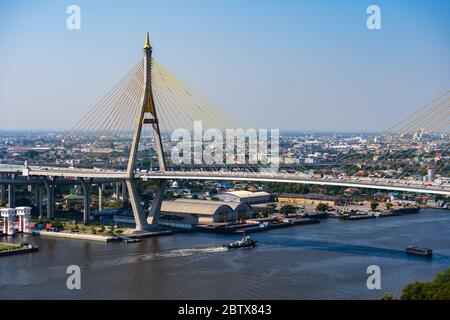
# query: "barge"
[293,222]
[23,249]
[424,252]
[358,216]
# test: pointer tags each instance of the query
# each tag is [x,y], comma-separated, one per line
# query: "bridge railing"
[300,176]
[11,167]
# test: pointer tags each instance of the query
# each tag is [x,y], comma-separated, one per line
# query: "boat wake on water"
[156,256]
[189,252]
[180,253]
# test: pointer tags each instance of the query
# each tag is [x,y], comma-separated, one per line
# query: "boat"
[25,248]
[131,240]
[407,210]
[254,228]
[358,216]
[316,215]
[424,252]
[245,242]
[293,222]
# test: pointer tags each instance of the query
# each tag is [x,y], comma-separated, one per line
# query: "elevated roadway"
[417,186]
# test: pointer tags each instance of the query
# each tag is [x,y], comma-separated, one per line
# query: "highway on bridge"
[418,186]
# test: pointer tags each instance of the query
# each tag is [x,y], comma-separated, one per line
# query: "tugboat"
[424,252]
[246,242]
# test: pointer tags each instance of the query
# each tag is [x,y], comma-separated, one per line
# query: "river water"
[322,261]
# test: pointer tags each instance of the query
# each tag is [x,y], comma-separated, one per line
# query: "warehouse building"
[245,196]
[186,213]
[241,210]
[178,220]
[194,213]
[309,199]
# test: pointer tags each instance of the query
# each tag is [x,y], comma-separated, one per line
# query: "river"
[322,261]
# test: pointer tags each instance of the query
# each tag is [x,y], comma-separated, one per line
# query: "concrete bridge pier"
[135,200]
[2,192]
[49,187]
[155,209]
[116,193]
[100,196]
[86,185]
[12,194]
[124,192]
[38,196]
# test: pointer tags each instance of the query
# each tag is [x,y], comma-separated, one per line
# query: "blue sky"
[297,65]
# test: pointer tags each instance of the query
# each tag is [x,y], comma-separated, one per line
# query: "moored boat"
[131,240]
[407,210]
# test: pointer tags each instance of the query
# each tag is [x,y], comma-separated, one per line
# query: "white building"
[245,196]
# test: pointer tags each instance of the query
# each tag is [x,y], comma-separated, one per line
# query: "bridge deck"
[362,182]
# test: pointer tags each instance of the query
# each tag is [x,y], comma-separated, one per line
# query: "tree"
[265,212]
[112,228]
[75,228]
[388,296]
[114,204]
[289,208]
[269,209]
[213,192]
[322,207]
[168,195]
[443,277]
[389,206]
[374,206]
[31,154]
[438,289]
[57,224]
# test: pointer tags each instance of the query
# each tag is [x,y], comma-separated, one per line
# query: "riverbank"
[360,215]
[11,249]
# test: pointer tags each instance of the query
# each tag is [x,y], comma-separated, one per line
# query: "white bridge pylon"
[147,115]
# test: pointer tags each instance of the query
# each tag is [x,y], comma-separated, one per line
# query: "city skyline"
[319,90]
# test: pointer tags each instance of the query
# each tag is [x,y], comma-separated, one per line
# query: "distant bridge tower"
[147,116]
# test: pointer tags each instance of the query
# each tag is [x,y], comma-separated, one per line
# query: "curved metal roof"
[194,208]
[233,205]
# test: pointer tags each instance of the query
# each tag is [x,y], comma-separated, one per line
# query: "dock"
[98,237]
[77,236]
[144,234]
[267,225]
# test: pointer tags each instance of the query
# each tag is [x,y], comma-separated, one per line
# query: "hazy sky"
[299,65]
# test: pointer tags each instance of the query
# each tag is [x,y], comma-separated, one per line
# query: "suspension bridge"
[145,107]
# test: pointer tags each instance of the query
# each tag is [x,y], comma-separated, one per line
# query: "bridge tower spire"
[149,116]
